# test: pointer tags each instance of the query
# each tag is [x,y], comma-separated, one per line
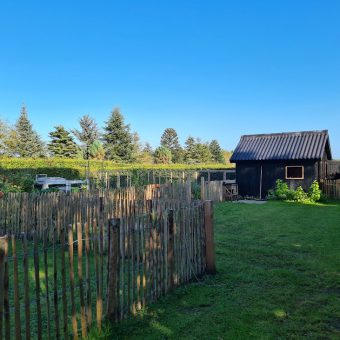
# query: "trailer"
[43,182]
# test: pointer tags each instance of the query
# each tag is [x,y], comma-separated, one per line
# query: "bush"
[300,195]
[314,192]
[282,192]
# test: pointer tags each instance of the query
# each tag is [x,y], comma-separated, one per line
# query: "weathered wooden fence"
[126,178]
[97,259]
[23,212]
[331,188]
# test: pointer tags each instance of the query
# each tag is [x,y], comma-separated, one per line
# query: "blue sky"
[213,69]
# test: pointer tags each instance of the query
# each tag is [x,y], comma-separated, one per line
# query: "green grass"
[278,277]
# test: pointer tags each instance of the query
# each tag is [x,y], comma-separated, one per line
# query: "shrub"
[314,192]
[281,190]
[300,195]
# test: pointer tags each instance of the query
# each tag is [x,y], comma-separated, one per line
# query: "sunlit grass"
[278,277]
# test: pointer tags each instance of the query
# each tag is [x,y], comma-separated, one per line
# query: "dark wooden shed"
[298,158]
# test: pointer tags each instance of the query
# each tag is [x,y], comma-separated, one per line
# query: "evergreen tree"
[62,144]
[137,148]
[97,150]
[196,151]
[148,148]
[118,141]
[190,146]
[162,155]
[87,134]
[28,142]
[216,152]
[169,139]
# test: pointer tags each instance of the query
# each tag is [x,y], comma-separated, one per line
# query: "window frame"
[295,166]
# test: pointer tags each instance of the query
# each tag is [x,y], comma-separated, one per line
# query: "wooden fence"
[331,188]
[23,212]
[85,265]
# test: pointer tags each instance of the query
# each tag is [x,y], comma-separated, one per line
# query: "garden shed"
[298,158]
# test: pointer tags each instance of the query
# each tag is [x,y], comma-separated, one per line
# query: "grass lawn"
[278,277]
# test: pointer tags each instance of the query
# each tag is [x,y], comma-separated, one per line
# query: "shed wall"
[248,176]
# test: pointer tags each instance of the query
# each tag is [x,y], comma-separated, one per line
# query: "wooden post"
[208,176]
[202,189]
[188,190]
[171,240]
[209,237]
[113,267]
[3,259]
[224,175]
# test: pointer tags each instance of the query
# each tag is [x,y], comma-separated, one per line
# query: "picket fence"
[90,258]
[331,188]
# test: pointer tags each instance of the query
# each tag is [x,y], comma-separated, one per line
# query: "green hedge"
[75,168]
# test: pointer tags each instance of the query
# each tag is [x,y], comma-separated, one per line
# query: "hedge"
[75,168]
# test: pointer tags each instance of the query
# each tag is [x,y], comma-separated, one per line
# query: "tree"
[87,134]
[162,155]
[118,141]
[97,151]
[190,145]
[28,142]
[62,144]
[216,152]
[197,151]
[169,139]
[8,139]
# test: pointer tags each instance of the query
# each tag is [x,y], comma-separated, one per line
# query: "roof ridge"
[287,133]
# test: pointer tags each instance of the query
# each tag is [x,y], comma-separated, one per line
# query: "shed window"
[295,172]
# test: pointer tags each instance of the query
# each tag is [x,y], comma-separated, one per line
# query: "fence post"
[202,188]
[3,259]
[209,237]
[113,267]
[171,240]
[188,190]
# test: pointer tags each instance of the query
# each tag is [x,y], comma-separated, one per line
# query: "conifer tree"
[216,152]
[169,139]
[87,134]
[62,144]
[118,141]
[28,142]
[162,155]
[97,150]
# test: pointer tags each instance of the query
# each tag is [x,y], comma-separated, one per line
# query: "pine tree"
[169,139]
[117,138]
[97,150]
[28,142]
[62,144]
[190,146]
[196,151]
[216,152]
[162,155]
[87,134]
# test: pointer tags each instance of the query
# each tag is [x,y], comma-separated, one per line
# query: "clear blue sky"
[213,69]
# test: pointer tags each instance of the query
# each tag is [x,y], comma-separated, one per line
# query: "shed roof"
[283,146]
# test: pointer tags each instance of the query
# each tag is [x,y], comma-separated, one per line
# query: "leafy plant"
[300,195]
[314,192]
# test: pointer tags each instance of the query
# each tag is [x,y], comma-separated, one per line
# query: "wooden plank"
[63,233]
[113,265]
[3,260]
[46,284]
[27,290]
[80,278]
[37,284]
[55,285]
[209,237]
[71,276]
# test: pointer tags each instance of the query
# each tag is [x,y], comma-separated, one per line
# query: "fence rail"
[91,258]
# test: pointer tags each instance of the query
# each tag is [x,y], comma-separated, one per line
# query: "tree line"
[114,142]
